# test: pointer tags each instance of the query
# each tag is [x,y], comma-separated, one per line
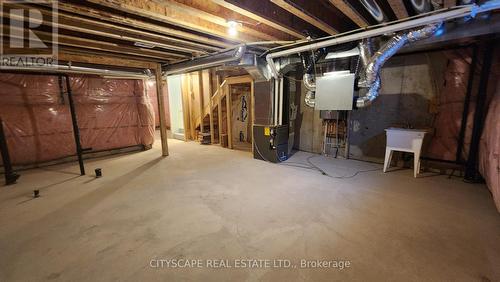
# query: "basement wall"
[420,91]
[111,114]
[409,97]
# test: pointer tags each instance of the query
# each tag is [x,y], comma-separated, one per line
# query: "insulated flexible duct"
[308,78]
[365,53]
[372,72]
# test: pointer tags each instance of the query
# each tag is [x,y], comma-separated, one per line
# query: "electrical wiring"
[312,166]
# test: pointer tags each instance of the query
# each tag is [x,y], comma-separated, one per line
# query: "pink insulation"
[451,99]
[489,148]
[151,90]
[111,113]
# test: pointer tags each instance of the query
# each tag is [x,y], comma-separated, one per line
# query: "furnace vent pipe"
[372,72]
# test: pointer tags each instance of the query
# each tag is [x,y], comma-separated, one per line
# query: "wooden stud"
[161,111]
[219,108]
[227,90]
[185,106]
[210,105]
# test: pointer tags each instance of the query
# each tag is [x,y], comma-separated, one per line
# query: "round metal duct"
[374,10]
[421,6]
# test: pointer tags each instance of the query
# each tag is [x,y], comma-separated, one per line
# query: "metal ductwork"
[219,59]
[254,65]
[372,71]
[365,54]
[421,6]
[310,98]
[65,69]
[374,9]
[308,77]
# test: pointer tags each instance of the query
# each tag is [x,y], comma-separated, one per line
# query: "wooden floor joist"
[182,36]
[350,12]
[399,8]
[172,15]
[305,16]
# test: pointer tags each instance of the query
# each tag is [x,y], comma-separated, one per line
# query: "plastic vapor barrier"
[111,114]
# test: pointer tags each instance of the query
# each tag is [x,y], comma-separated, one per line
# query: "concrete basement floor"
[207,202]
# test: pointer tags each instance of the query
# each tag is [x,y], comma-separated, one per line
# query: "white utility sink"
[405,140]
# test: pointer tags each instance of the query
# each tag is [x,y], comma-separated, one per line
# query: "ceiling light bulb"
[232,28]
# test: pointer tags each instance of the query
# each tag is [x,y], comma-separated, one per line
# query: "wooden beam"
[275,14]
[386,8]
[161,111]
[350,12]
[84,43]
[305,16]
[449,3]
[398,7]
[180,36]
[227,90]
[361,10]
[104,60]
[239,79]
[259,19]
[90,52]
[217,14]
[172,14]
[114,48]
[100,28]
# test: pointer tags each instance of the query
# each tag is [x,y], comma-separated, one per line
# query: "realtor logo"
[28,37]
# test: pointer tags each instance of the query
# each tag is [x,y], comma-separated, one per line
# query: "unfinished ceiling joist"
[305,16]
[399,8]
[177,35]
[172,14]
[258,18]
[219,14]
[350,12]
